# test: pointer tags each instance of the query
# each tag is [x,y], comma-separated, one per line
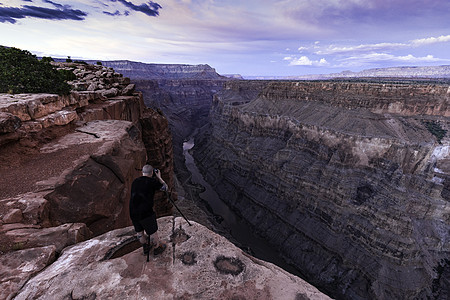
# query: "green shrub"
[99,63]
[68,59]
[22,72]
[67,75]
[47,59]
[435,129]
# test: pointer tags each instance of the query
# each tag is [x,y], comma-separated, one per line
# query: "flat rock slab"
[197,264]
[92,133]
[59,237]
[54,158]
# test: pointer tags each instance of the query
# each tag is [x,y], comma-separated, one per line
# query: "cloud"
[359,48]
[383,58]
[305,61]
[54,4]
[370,48]
[337,13]
[116,13]
[431,40]
[150,9]
[60,12]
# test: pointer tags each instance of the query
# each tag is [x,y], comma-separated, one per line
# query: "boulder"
[13,216]
[29,208]
[112,92]
[96,190]
[128,90]
[19,266]
[59,118]
[197,264]
[92,87]
[60,236]
[40,105]
[9,123]
[14,105]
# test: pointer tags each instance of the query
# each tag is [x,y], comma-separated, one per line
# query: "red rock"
[14,216]
[9,123]
[19,266]
[202,265]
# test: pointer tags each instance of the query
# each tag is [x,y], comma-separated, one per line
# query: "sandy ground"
[22,164]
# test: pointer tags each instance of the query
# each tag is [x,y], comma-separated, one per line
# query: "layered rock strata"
[138,70]
[345,178]
[197,264]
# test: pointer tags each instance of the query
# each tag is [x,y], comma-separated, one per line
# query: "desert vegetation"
[23,72]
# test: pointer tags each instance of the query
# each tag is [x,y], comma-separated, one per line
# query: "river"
[236,226]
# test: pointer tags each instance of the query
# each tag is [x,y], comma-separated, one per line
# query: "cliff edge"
[197,264]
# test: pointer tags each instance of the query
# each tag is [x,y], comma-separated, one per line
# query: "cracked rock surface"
[219,271]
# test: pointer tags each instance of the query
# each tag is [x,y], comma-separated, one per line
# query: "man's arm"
[158,175]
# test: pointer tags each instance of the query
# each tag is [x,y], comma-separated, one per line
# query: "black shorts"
[149,224]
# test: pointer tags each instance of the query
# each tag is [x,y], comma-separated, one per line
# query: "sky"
[247,37]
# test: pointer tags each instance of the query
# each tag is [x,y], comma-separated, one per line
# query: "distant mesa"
[432,72]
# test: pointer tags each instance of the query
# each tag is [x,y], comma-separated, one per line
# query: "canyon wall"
[348,180]
[183,93]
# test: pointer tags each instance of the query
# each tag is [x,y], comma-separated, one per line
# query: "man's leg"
[154,239]
[159,246]
[141,236]
[143,239]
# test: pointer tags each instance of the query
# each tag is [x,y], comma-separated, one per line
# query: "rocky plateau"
[197,264]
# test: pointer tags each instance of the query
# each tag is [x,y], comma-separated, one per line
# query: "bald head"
[147,170]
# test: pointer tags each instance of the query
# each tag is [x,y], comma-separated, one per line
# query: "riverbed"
[238,228]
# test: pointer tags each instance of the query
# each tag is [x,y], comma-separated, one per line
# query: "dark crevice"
[101,160]
[90,133]
[123,248]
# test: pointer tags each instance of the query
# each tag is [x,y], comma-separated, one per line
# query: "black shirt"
[142,192]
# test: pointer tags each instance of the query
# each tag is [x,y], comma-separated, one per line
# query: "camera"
[155,170]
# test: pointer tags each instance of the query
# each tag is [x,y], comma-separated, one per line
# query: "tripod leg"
[148,244]
[170,198]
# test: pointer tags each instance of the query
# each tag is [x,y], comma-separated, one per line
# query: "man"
[141,208]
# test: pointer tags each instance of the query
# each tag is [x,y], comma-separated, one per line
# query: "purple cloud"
[150,9]
[54,4]
[116,13]
[379,12]
[11,14]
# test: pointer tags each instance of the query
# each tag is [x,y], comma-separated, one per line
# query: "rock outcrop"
[67,163]
[346,179]
[183,93]
[138,70]
[197,264]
